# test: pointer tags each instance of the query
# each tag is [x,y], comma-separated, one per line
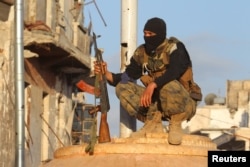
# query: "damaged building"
[56,54]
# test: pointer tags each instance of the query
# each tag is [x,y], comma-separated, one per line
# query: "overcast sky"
[215,33]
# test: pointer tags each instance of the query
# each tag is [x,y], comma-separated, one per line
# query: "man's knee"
[180,112]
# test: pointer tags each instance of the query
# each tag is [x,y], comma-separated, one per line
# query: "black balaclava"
[157,26]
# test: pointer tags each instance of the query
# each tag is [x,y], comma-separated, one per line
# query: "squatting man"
[164,67]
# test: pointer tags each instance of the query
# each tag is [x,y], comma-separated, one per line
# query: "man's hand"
[100,68]
[146,97]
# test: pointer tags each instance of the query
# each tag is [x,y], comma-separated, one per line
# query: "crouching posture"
[164,67]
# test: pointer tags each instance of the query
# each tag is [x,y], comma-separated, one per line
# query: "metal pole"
[19,84]
[128,46]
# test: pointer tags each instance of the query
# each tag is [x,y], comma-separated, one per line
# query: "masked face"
[152,42]
[154,34]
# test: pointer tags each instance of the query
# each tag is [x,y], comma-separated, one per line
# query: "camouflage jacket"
[176,62]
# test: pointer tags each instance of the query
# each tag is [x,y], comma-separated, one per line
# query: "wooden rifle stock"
[104,135]
[101,84]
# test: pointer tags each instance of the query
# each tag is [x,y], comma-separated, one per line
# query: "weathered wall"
[33,109]
[7,95]
[46,121]
[47,115]
[5,9]
[238,94]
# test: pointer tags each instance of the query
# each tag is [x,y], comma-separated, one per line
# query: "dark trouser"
[171,100]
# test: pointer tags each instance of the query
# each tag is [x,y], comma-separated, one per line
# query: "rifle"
[101,87]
